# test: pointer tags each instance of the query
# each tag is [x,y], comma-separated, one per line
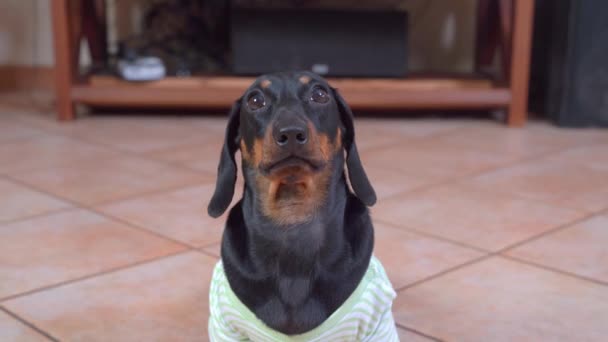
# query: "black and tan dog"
[299,242]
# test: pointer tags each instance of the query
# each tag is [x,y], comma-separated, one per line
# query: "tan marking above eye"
[304,79]
[265,83]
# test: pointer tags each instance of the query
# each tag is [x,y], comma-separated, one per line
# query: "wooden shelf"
[504,29]
[221,91]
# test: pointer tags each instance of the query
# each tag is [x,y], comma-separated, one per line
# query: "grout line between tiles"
[204,252]
[35,216]
[201,173]
[554,270]
[545,233]
[417,332]
[40,190]
[93,275]
[121,152]
[415,141]
[28,324]
[178,187]
[432,236]
[446,271]
[151,193]
[414,190]
[145,155]
[210,244]
[13,141]
[141,229]
[583,216]
[409,140]
[92,209]
[489,169]
[500,253]
[459,178]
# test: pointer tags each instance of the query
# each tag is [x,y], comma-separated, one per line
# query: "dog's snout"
[291,136]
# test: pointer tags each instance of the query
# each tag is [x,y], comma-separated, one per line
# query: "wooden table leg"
[520,62]
[64,60]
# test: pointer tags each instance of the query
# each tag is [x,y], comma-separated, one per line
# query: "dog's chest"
[292,309]
[294,291]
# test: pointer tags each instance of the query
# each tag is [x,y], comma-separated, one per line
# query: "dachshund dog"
[296,254]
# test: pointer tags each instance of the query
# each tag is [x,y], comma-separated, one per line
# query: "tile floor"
[487,233]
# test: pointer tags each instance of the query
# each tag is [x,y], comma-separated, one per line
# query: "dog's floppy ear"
[356,174]
[226,171]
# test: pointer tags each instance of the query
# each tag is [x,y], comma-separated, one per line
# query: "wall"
[26,37]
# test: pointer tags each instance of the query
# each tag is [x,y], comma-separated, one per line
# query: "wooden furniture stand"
[503,26]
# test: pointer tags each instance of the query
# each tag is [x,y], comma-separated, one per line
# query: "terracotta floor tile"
[101,181]
[388,182]
[10,98]
[166,300]
[571,136]
[14,105]
[13,330]
[139,134]
[204,157]
[501,300]
[11,131]
[91,161]
[181,214]
[592,156]
[47,122]
[407,128]
[409,257]
[574,179]
[19,201]
[47,152]
[482,219]
[213,123]
[374,137]
[432,159]
[406,336]
[214,250]
[492,138]
[63,246]
[580,249]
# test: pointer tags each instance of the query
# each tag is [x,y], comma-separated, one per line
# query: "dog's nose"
[291,136]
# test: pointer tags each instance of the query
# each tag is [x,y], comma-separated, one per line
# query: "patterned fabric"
[365,316]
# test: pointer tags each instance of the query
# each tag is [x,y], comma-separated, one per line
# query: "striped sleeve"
[386,331]
[383,294]
[219,329]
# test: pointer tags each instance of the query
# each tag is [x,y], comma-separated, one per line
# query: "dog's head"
[291,129]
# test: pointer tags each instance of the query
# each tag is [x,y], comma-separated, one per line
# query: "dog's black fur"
[294,276]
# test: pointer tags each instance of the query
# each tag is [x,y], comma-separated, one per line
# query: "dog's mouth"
[292,187]
[292,162]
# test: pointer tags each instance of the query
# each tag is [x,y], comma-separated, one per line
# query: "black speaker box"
[326,41]
[571,64]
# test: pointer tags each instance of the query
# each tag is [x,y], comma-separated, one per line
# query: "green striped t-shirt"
[364,316]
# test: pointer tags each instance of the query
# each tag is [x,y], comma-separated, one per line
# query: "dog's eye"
[256,101]
[319,95]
